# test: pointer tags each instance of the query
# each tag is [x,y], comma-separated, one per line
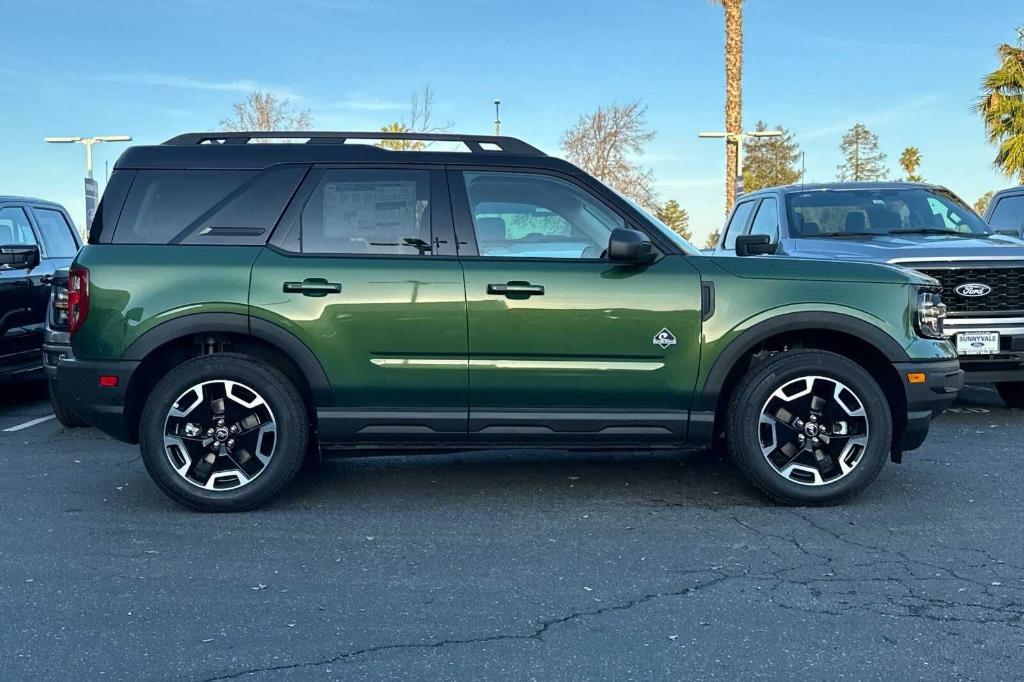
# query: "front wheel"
[1012,393]
[809,427]
[223,432]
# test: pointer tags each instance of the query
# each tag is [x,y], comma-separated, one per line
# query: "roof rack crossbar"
[478,144]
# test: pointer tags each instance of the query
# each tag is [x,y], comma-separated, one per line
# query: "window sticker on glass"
[374,211]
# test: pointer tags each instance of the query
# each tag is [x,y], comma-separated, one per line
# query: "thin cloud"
[185,82]
[364,103]
[879,116]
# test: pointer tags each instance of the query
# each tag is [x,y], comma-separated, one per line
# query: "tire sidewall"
[744,437]
[283,400]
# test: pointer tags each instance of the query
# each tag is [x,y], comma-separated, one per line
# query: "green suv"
[242,307]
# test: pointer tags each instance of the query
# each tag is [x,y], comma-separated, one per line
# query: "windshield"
[674,236]
[905,210]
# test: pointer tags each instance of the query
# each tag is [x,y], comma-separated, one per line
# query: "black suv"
[1005,212]
[911,225]
[36,239]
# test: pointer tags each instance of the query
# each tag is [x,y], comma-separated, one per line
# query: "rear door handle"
[515,290]
[312,286]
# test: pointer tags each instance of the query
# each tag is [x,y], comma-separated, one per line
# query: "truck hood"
[890,248]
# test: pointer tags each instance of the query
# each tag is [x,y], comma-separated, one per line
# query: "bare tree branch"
[264,111]
[605,144]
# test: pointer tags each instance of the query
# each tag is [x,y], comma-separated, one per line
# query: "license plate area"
[977,343]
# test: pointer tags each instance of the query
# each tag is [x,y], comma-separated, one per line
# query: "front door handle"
[515,290]
[312,286]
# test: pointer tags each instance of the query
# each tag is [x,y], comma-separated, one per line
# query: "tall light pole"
[91,189]
[497,117]
[737,140]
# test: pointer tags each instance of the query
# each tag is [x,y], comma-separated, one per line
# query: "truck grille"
[1007,283]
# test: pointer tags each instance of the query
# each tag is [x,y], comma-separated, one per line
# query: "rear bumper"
[104,408]
[926,400]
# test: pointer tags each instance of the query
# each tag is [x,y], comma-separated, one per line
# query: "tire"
[1012,393]
[277,415]
[847,463]
[66,417]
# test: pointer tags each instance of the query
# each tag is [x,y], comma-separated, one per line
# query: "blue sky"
[909,70]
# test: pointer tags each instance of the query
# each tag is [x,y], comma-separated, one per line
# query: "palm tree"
[733,94]
[910,160]
[1001,107]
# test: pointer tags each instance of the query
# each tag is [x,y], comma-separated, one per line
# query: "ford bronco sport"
[913,225]
[239,307]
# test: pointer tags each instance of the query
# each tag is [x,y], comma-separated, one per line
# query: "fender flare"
[236,323]
[789,322]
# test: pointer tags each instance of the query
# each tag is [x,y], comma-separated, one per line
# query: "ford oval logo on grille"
[973,290]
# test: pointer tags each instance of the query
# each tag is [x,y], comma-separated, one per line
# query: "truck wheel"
[223,432]
[809,427]
[1012,393]
[65,416]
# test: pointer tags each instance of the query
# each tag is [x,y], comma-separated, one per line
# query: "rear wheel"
[809,427]
[223,432]
[1012,393]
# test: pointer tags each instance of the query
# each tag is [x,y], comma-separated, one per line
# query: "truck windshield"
[867,212]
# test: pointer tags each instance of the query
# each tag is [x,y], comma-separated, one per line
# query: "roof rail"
[478,144]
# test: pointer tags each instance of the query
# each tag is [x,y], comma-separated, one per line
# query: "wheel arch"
[170,343]
[846,335]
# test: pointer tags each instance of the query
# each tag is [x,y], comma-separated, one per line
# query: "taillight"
[78,298]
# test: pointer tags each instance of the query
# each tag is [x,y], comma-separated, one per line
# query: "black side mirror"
[19,256]
[630,246]
[755,245]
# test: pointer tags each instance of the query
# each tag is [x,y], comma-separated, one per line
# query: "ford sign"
[973,290]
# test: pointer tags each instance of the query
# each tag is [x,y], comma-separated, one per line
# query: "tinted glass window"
[14,227]
[1008,214]
[58,240]
[105,220]
[879,211]
[165,205]
[384,212]
[767,219]
[523,215]
[737,223]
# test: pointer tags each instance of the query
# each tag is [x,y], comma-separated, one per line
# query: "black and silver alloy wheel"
[809,426]
[220,435]
[224,432]
[813,430]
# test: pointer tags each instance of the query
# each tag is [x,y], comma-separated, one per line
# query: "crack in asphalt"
[536,635]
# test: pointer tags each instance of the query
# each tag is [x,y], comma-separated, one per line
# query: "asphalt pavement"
[512,565]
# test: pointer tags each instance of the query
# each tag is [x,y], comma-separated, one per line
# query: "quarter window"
[737,223]
[15,228]
[377,212]
[527,215]
[58,240]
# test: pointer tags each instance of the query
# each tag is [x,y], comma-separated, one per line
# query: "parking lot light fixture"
[88,142]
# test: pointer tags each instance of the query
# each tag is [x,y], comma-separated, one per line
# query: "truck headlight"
[931,314]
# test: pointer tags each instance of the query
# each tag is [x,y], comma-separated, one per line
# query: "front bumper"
[926,400]
[104,408]
[56,347]
[1006,365]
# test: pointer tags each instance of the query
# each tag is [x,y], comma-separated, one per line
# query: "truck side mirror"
[630,246]
[755,245]
[19,256]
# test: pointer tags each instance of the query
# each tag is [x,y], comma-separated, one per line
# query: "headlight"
[59,308]
[931,314]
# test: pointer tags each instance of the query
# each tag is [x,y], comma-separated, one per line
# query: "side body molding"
[201,323]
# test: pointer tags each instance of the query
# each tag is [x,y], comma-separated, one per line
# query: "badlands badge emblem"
[664,339]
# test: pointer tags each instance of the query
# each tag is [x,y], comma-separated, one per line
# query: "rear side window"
[737,223]
[369,212]
[58,238]
[1008,214]
[205,206]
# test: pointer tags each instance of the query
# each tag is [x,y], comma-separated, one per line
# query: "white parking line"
[30,424]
